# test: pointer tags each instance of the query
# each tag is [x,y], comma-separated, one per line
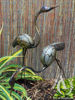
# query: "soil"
[39,90]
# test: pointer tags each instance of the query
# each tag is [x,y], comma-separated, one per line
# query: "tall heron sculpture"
[26,41]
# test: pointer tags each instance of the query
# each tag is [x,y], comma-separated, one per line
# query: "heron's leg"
[23,58]
[56,81]
[24,52]
[23,64]
[60,66]
[59,75]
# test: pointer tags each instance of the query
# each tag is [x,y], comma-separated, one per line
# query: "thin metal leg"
[60,66]
[24,52]
[56,81]
[23,64]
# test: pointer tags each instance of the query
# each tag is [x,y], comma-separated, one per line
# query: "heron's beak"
[51,8]
[14,43]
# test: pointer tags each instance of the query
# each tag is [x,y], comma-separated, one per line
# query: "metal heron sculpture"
[26,41]
[49,55]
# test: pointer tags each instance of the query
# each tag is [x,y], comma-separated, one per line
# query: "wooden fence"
[58,25]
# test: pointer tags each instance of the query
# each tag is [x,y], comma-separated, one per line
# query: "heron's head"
[46,9]
[58,46]
[43,9]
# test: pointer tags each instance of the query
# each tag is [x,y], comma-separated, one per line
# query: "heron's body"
[24,40]
[48,55]
[49,52]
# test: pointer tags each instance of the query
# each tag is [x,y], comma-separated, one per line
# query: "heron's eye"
[44,8]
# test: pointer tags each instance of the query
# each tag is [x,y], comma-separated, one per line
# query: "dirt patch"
[39,90]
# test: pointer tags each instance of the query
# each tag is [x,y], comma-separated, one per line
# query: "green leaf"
[69,91]
[2,97]
[21,89]
[1,63]
[3,58]
[11,57]
[29,77]
[16,95]
[34,77]
[30,71]
[3,83]
[70,95]
[7,95]
[11,67]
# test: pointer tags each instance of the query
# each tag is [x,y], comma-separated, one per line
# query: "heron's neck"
[37,33]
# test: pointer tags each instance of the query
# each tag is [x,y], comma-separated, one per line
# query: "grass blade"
[1,29]
[11,57]
[11,67]
[7,95]
[2,97]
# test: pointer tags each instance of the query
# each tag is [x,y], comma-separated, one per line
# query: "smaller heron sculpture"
[49,55]
[26,41]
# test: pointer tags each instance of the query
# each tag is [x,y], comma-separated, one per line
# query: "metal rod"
[60,66]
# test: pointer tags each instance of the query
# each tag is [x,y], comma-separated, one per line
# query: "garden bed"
[39,90]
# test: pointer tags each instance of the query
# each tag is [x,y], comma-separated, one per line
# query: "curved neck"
[36,16]
[36,37]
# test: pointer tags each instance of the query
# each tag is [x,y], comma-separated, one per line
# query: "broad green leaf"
[30,77]
[16,95]
[28,98]
[7,95]
[4,83]
[6,57]
[10,70]
[26,74]
[2,77]
[30,71]
[34,77]
[71,95]
[6,80]
[2,97]
[11,67]
[1,63]
[11,57]
[3,58]
[21,89]
[68,91]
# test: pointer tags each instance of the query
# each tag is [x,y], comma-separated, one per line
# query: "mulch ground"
[39,90]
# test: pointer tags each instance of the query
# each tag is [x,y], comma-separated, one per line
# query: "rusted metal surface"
[58,25]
